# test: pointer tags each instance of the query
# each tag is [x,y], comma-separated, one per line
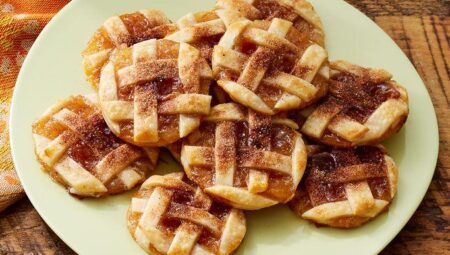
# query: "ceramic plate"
[52,71]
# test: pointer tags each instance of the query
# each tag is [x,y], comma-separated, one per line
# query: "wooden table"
[422,29]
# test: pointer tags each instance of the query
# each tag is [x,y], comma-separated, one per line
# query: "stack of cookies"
[245,98]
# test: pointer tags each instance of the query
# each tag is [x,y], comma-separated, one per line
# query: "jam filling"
[170,224]
[99,41]
[206,44]
[280,141]
[270,95]
[96,143]
[168,86]
[182,197]
[283,62]
[271,9]
[246,47]
[137,25]
[100,137]
[83,154]
[304,27]
[326,160]
[360,96]
[96,139]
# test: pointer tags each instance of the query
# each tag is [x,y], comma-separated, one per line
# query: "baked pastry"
[121,31]
[175,150]
[203,30]
[245,159]
[345,188]
[364,106]
[300,12]
[269,67]
[154,92]
[76,147]
[170,215]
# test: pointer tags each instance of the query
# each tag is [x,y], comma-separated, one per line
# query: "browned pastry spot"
[183,218]
[87,140]
[332,173]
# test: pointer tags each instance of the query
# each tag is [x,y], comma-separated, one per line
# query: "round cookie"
[300,12]
[170,215]
[270,66]
[122,31]
[364,106]
[345,188]
[245,159]
[153,93]
[76,147]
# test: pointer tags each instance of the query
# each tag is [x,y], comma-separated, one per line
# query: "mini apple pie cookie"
[154,92]
[300,12]
[364,106]
[74,144]
[269,67]
[345,188]
[245,159]
[121,31]
[203,30]
[170,215]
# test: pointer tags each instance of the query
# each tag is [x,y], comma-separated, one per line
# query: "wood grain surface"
[422,30]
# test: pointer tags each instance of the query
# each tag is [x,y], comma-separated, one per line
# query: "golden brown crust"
[364,106]
[270,66]
[75,146]
[170,215]
[300,12]
[202,30]
[119,31]
[345,188]
[245,159]
[153,93]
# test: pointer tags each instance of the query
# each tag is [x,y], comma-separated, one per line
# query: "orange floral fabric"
[21,21]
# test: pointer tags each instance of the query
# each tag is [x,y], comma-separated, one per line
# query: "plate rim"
[12,131]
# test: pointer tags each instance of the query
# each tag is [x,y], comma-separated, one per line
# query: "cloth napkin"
[21,21]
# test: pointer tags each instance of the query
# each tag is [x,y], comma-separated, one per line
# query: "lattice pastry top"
[153,93]
[245,159]
[364,106]
[345,187]
[203,30]
[121,31]
[300,12]
[76,147]
[170,215]
[269,67]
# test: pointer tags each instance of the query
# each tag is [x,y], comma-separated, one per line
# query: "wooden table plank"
[422,30]
[425,40]
[376,8]
[22,231]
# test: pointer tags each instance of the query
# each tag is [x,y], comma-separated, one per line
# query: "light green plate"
[52,71]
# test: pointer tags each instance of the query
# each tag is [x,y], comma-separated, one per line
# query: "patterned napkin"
[21,21]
